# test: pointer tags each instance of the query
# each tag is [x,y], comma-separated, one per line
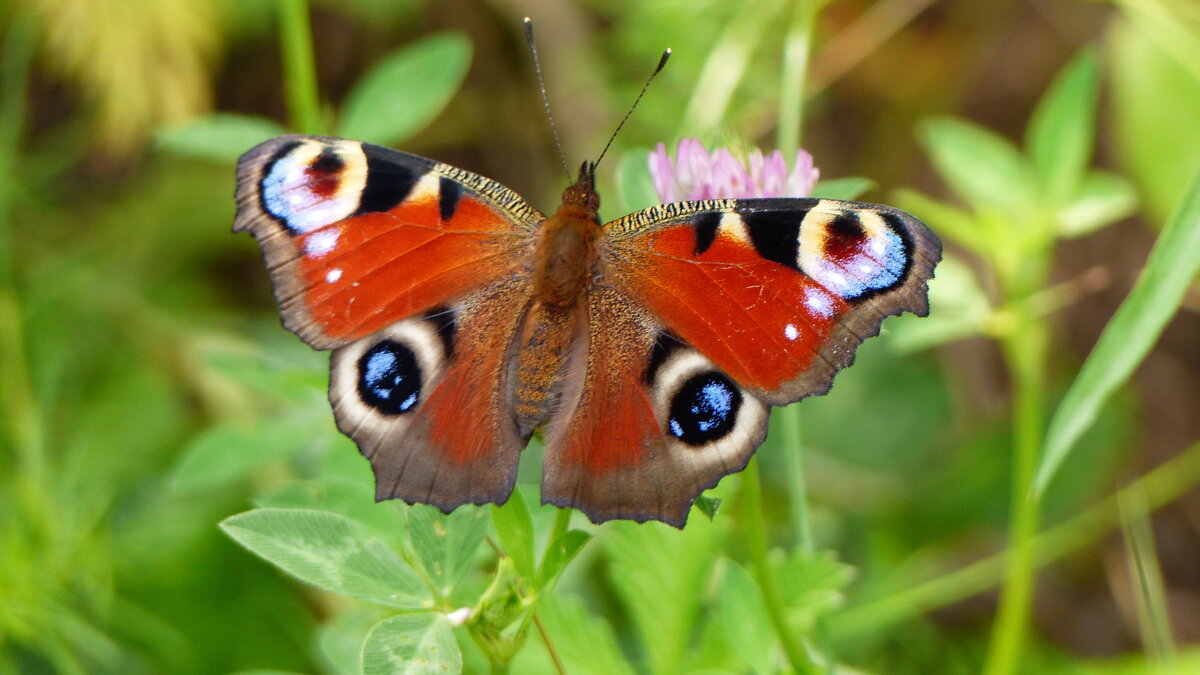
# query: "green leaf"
[848,189]
[405,91]
[1102,199]
[634,183]
[331,552]
[742,612]
[1173,263]
[559,554]
[1155,96]
[708,506]
[345,497]
[659,574]
[583,640]
[411,644]
[446,544]
[226,452]
[811,585]
[982,167]
[340,638]
[514,527]
[220,137]
[1061,129]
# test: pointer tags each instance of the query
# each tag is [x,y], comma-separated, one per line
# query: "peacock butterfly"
[650,348]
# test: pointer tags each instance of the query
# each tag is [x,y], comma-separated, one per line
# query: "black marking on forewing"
[327,163]
[446,322]
[449,192]
[845,233]
[388,182]
[776,234]
[706,225]
[664,345]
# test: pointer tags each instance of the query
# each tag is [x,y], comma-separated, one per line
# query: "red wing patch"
[778,293]
[358,237]
[368,271]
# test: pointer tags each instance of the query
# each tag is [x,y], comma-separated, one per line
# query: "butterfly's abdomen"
[545,339]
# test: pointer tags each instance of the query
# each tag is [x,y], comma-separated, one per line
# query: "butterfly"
[648,350]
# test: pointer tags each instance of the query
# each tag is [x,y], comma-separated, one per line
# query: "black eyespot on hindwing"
[704,409]
[389,379]
[388,182]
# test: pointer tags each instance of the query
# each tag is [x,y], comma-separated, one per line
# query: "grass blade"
[1128,337]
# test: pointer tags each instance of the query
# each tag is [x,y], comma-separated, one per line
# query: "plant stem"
[1146,582]
[1025,350]
[299,69]
[1162,485]
[23,417]
[789,419]
[756,545]
[723,70]
[797,47]
[550,649]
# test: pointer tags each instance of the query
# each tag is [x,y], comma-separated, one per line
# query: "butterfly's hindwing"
[646,424]
[429,400]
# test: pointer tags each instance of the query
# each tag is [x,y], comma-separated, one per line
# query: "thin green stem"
[1146,582]
[1025,351]
[1161,486]
[756,545]
[550,649]
[23,422]
[789,419]
[299,68]
[797,48]
[724,69]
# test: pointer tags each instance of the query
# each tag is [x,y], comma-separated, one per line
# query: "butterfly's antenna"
[537,70]
[661,62]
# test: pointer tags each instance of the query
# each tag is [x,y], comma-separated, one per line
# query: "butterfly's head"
[583,192]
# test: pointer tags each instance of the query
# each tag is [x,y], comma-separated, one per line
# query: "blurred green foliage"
[156,416]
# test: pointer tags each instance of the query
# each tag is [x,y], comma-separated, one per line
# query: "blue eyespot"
[704,409]
[389,378]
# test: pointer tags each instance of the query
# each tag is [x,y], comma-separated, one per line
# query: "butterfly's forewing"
[733,305]
[777,292]
[411,271]
[357,236]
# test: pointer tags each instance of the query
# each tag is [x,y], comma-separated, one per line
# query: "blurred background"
[137,334]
